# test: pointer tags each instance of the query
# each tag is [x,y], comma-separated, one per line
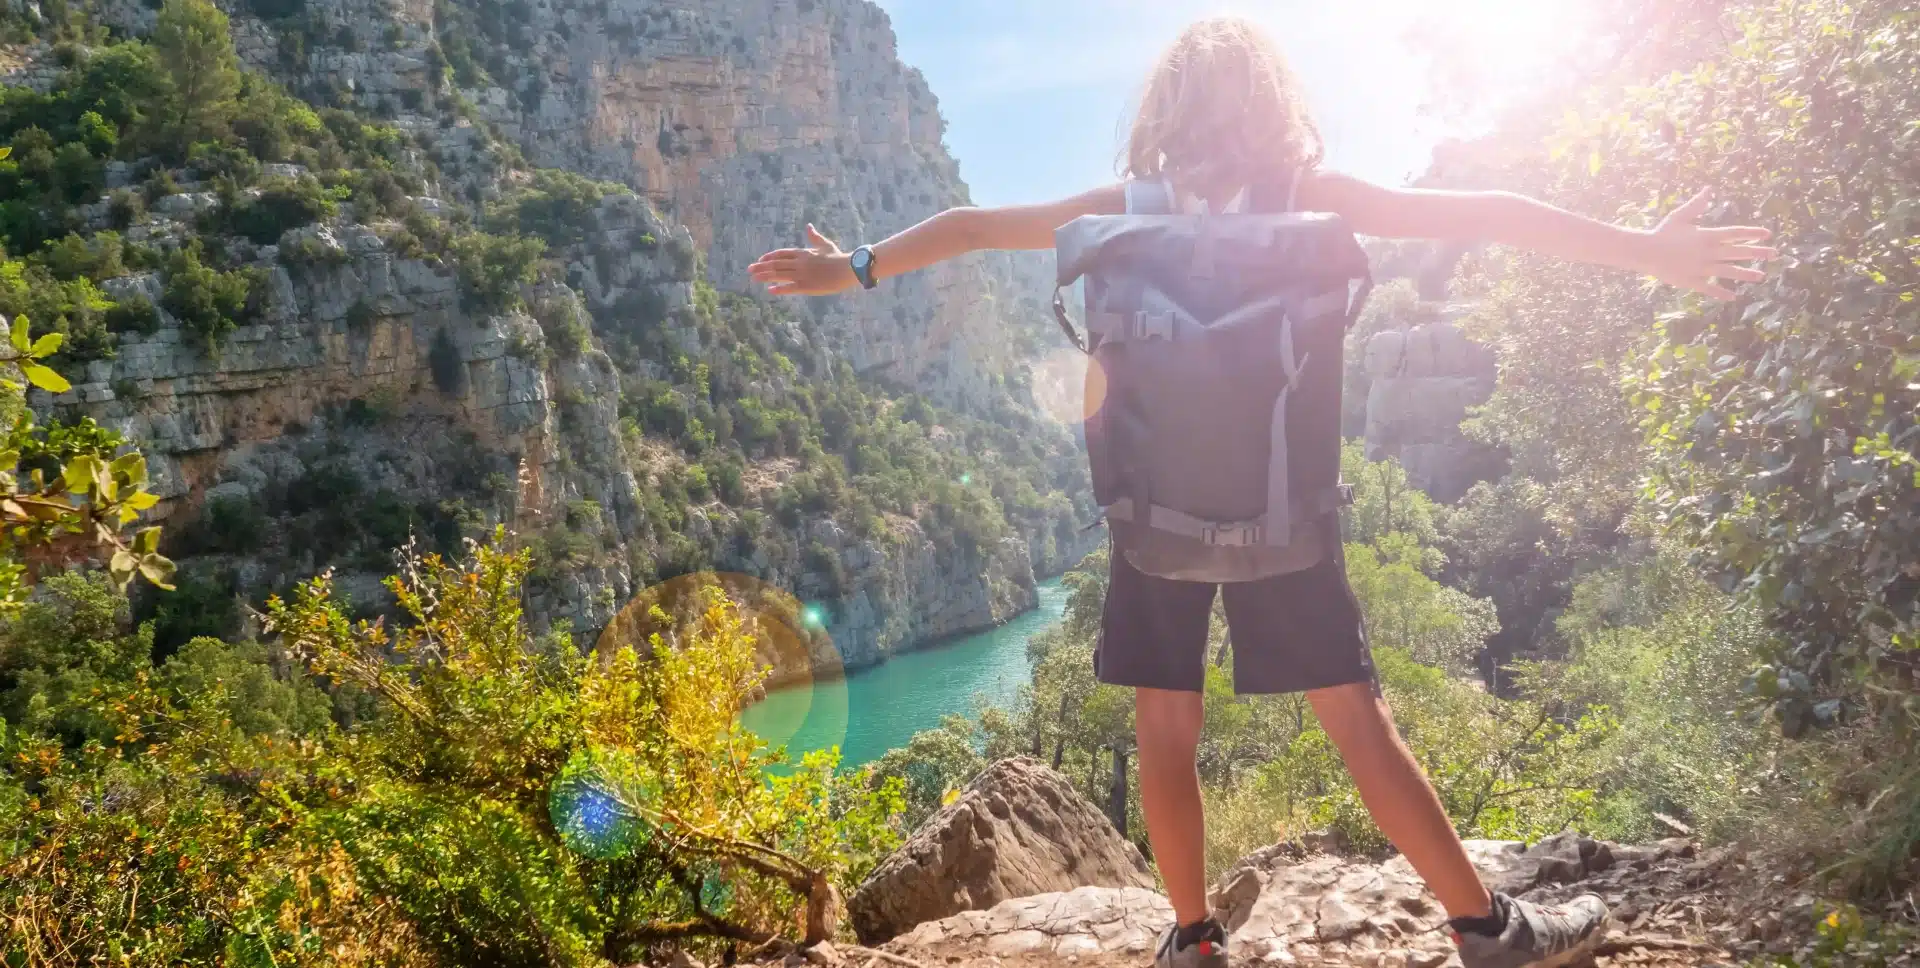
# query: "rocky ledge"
[1290,906]
[1019,871]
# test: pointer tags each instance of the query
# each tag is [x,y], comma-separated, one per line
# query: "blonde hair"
[1221,110]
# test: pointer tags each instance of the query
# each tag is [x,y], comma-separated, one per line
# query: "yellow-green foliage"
[501,798]
[1781,424]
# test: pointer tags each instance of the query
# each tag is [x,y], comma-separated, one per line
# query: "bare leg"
[1167,728]
[1398,794]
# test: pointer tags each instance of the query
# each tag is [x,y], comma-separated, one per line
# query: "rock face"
[740,120]
[1017,830]
[1288,906]
[368,374]
[743,119]
[1423,380]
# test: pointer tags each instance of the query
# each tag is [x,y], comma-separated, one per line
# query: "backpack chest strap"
[1174,324]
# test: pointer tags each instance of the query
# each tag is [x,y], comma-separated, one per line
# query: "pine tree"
[196,48]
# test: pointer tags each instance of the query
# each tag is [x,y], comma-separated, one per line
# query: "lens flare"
[804,700]
[716,891]
[1068,386]
[589,805]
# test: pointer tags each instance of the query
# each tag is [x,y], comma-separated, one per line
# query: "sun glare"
[1503,42]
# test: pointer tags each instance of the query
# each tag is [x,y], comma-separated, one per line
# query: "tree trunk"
[823,910]
[1117,794]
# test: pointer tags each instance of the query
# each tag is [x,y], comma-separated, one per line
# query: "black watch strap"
[862,261]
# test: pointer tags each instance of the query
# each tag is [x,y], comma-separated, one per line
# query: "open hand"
[1684,254]
[820,269]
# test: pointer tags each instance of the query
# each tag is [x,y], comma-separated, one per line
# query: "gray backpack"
[1213,385]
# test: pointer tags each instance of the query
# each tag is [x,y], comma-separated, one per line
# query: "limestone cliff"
[743,119]
[1423,380]
[373,398]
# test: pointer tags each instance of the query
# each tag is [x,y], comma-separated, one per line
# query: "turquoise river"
[878,709]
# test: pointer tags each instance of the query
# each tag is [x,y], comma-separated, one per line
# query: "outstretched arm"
[822,267]
[1678,251]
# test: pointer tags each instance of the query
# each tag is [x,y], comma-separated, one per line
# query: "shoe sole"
[1580,953]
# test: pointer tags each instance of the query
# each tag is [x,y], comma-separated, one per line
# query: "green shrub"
[557,207]
[208,302]
[694,479]
[204,602]
[282,204]
[493,268]
[322,487]
[125,208]
[563,324]
[308,252]
[233,525]
[728,479]
[685,259]
[219,160]
[159,185]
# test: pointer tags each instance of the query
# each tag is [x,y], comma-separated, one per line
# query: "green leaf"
[147,541]
[5,150]
[159,571]
[143,501]
[122,566]
[130,467]
[45,378]
[19,334]
[79,473]
[1593,162]
[47,345]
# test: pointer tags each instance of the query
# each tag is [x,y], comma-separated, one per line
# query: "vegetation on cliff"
[742,431]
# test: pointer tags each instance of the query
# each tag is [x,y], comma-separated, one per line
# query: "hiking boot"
[1207,949]
[1537,936]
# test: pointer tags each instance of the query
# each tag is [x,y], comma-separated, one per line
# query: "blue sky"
[1036,92]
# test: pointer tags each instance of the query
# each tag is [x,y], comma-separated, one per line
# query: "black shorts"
[1289,633]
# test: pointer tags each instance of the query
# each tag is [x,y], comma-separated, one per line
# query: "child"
[1220,112]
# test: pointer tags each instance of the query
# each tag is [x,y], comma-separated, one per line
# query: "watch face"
[861,258]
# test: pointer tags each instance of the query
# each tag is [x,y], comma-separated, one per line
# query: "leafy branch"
[70,498]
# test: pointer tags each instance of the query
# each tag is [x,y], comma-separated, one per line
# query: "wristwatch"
[862,261]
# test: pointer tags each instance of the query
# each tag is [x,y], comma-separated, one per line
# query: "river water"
[878,709]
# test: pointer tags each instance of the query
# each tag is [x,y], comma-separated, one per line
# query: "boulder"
[1017,830]
[1435,349]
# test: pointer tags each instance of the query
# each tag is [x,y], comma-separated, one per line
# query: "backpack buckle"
[1233,534]
[1151,326]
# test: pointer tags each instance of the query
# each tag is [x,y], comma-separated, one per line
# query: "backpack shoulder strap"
[1149,197]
